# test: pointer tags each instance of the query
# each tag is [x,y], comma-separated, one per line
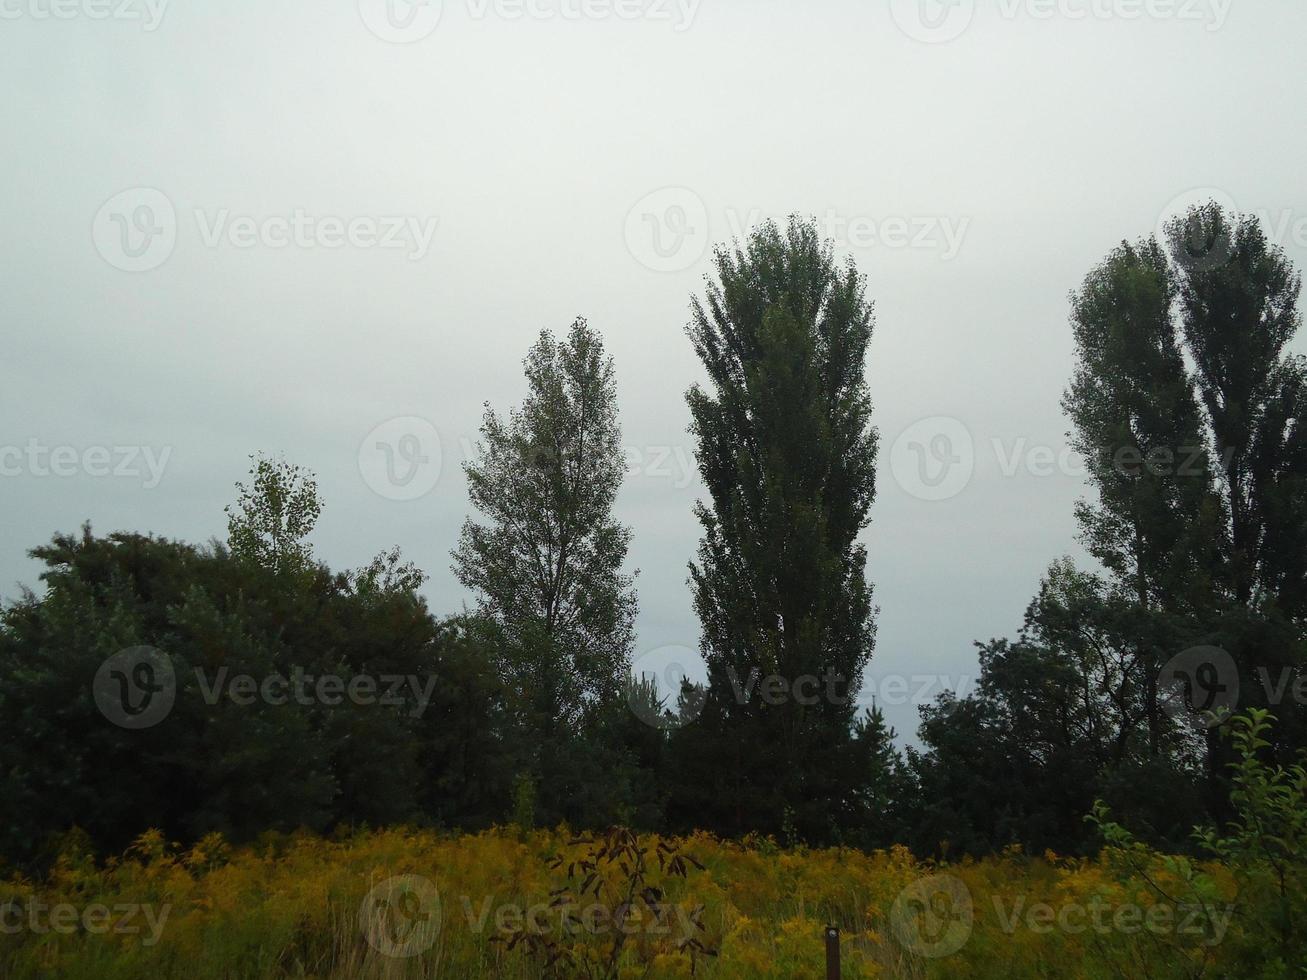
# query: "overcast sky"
[284,225]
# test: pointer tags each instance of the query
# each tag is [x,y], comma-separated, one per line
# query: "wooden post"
[832,953]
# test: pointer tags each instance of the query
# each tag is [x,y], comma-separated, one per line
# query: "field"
[398,904]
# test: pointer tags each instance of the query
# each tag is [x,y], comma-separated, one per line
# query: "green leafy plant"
[1263,850]
[614,871]
[1265,845]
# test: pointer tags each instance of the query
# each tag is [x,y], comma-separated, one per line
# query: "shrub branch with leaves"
[1262,849]
[615,871]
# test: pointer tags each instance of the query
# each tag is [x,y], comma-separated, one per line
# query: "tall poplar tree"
[1239,309]
[788,453]
[1138,425]
[1238,302]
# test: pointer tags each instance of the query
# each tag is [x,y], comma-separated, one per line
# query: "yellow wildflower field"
[499,904]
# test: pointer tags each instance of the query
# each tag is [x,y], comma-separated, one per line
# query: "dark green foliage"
[1238,314]
[238,768]
[1238,301]
[1199,524]
[1006,764]
[1138,425]
[883,787]
[1022,758]
[788,455]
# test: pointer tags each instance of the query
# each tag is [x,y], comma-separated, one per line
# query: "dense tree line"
[1183,401]
[1188,411]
